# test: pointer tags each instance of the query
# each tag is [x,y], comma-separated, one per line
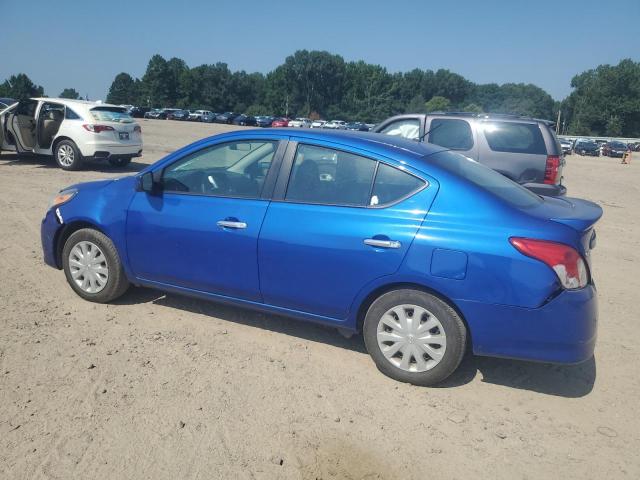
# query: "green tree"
[606,99]
[123,90]
[472,107]
[70,93]
[20,87]
[437,104]
[614,126]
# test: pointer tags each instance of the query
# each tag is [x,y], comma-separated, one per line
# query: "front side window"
[514,137]
[406,128]
[332,177]
[235,169]
[454,134]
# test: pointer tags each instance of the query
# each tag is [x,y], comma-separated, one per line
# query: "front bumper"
[49,231]
[561,331]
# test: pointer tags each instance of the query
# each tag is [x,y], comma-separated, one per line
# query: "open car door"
[20,122]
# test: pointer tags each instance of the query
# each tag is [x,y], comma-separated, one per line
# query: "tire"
[115,283]
[449,332]
[120,162]
[67,155]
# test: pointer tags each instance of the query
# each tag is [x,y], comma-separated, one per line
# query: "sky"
[84,44]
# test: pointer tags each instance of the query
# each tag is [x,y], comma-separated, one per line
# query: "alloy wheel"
[66,155]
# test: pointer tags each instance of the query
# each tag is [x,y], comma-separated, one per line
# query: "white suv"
[70,131]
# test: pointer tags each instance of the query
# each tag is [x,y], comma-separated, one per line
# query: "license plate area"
[123,135]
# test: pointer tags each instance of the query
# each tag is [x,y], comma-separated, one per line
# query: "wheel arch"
[59,139]
[382,289]
[65,232]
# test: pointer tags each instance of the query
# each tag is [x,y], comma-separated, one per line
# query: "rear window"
[111,114]
[514,137]
[485,178]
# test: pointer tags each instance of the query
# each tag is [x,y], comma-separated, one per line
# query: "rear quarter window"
[514,137]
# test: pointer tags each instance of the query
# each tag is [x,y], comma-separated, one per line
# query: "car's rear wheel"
[120,162]
[67,155]
[414,337]
[92,266]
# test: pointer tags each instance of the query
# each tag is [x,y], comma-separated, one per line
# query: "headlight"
[63,197]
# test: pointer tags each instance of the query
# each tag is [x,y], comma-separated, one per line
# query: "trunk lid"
[576,213]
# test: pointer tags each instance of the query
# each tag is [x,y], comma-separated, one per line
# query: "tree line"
[604,101]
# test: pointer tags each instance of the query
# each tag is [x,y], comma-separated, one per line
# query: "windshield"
[617,145]
[485,178]
[111,114]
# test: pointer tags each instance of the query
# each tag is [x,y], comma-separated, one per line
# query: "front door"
[344,221]
[200,231]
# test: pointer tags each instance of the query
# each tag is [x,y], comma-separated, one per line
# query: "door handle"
[376,242]
[231,224]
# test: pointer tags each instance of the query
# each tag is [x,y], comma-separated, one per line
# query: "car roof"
[378,143]
[76,103]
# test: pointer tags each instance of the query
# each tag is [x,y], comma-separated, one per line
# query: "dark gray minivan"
[523,149]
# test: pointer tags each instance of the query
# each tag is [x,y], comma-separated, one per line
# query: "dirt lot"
[159,386]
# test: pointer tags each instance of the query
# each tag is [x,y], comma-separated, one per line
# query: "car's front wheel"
[92,266]
[67,155]
[414,337]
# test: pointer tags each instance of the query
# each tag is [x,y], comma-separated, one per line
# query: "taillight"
[97,128]
[568,264]
[552,169]
[137,128]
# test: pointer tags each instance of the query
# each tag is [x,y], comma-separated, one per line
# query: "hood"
[95,185]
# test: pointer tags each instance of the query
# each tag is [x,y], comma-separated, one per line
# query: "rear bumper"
[561,331]
[546,190]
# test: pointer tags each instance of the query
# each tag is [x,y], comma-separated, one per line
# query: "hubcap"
[65,155]
[88,267]
[411,338]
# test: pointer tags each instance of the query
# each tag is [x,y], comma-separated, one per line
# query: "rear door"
[339,220]
[21,122]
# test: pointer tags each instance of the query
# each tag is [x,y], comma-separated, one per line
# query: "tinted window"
[70,114]
[451,133]
[407,128]
[327,176]
[235,169]
[514,137]
[485,178]
[392,185]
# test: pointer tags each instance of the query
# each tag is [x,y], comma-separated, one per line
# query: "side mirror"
[149,182]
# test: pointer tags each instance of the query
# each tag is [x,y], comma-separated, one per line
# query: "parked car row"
[596,148]
[232,118]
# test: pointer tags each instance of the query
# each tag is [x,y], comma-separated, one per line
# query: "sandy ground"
[163,387]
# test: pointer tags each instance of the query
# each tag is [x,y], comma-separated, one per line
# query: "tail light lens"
[568,264]
[97,128]
[552,169]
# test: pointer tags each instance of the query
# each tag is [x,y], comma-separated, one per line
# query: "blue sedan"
[421,249]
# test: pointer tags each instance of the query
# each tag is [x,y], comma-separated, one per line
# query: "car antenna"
[428,132]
